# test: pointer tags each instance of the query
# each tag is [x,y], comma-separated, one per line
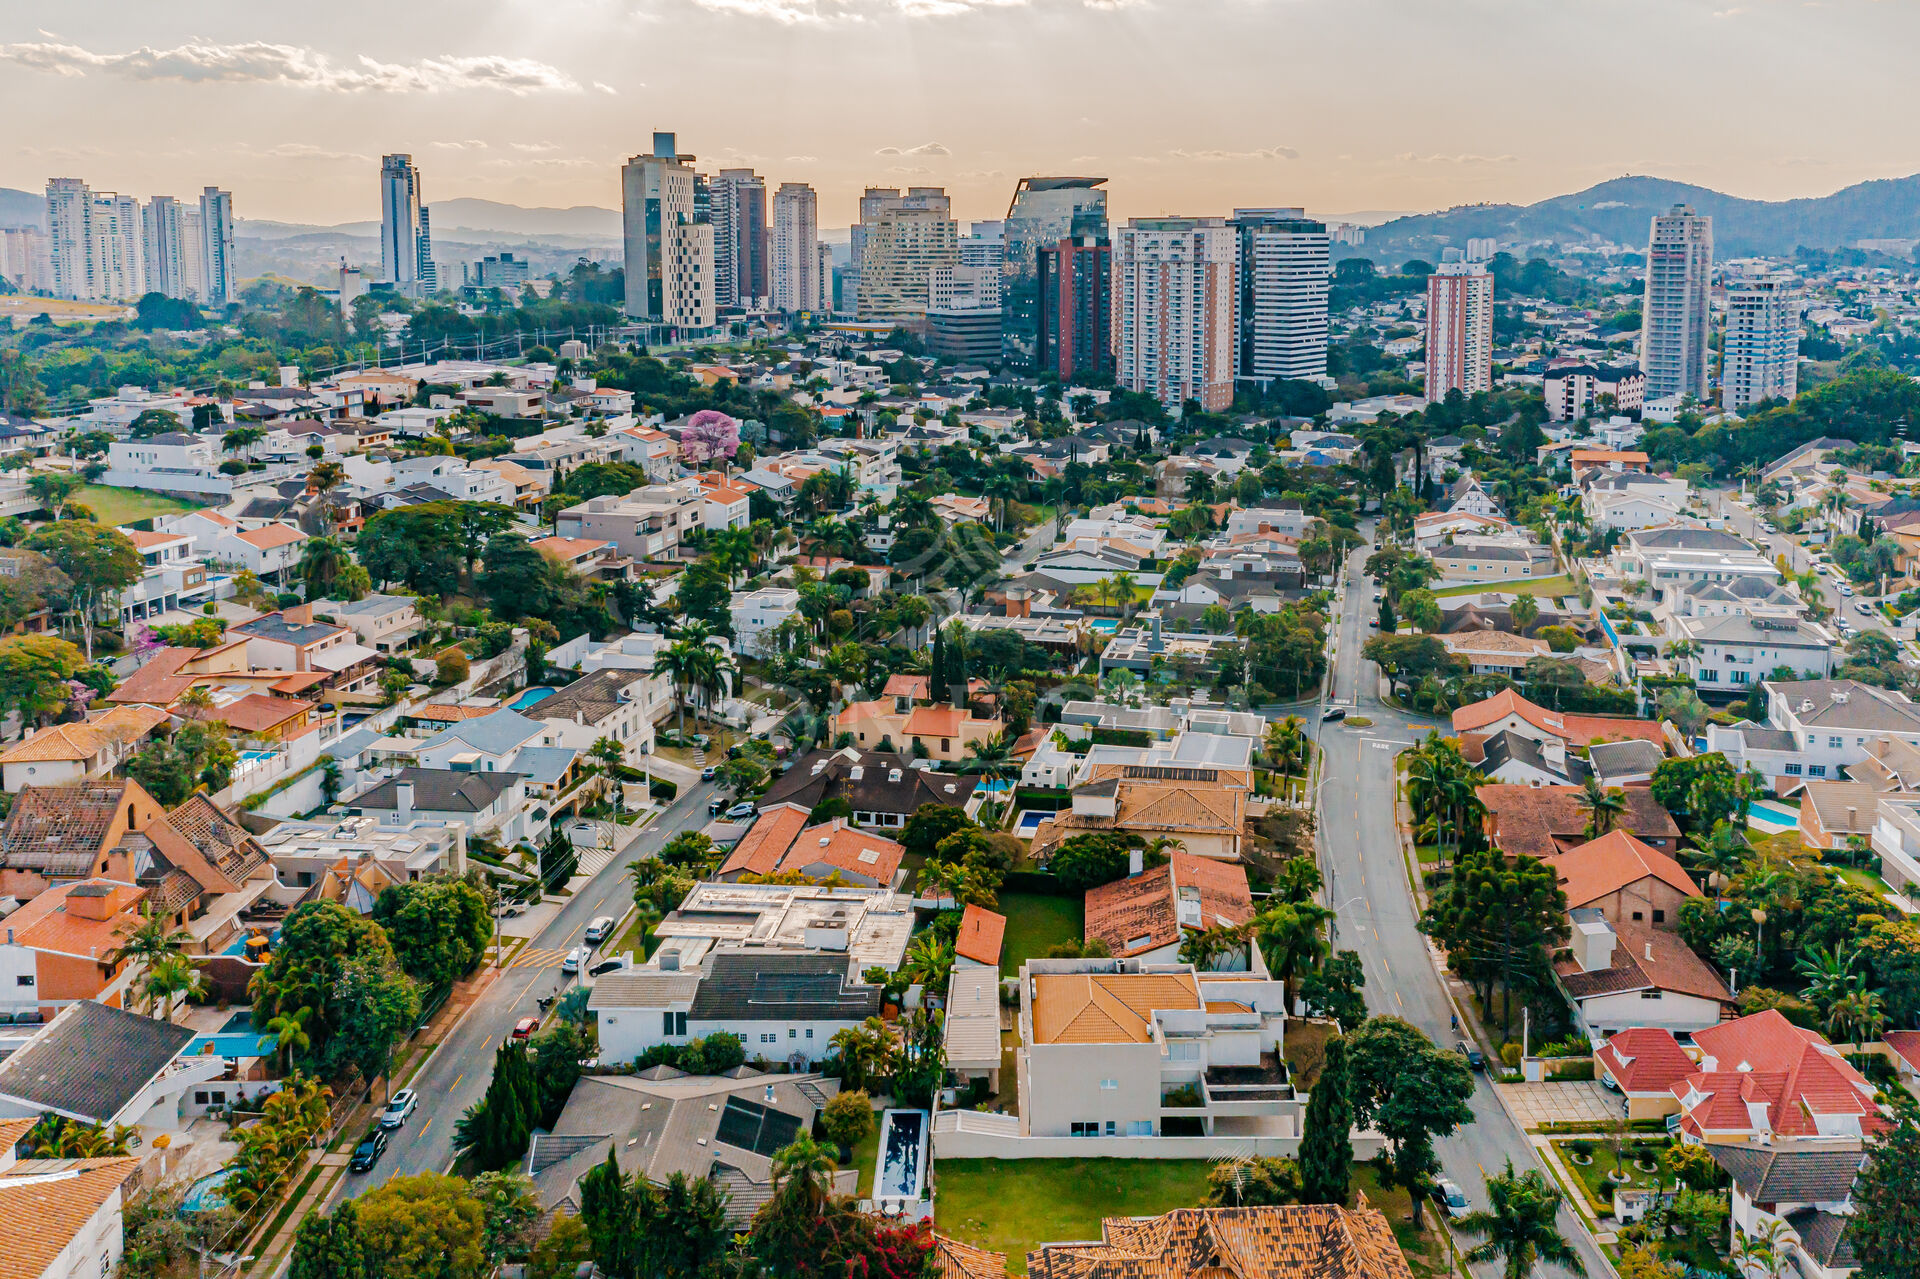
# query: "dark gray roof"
[439,790]
[91,1060]
[1689,539]
[1509,745]
[1526,553]
[876,790]
[1624,759]
[749,986]
[1825,1237]
[1759,737]
[589,699]
[276,627]
[1778,1175]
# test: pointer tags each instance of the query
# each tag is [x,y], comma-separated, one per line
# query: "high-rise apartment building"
[426,276]
[795,275]
[1075,295]
[1675,316]
[70,238]
[1459,330]
[400,222]
[26,258]
[905,240]
[220,283]
[983,252]
[669,255]
[1285,266]
[1174,309]
[162,225]
[1761,359]
[739,215]
[1043,212]
[827,300]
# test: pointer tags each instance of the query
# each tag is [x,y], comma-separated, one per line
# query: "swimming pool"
[205,1193]
[1772,814]
[903,1155]
[255,757]
[532,697]
[1029,822]
[1105,625]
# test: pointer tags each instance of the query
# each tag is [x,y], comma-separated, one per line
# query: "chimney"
[289,375]
[298,615]
[1649,955]
[403,800]
[1136,860]
[90,901]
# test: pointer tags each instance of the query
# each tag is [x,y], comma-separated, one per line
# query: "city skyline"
[539,105]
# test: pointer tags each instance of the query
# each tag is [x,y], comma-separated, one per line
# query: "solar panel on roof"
[1164,773]
[747,1125]
[795,987]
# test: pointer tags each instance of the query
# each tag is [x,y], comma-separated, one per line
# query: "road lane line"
[425,1126]
[1398,1000]
[456,1081]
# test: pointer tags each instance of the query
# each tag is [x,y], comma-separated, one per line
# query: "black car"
[1476,1060]
[1334,713]
[368,1152]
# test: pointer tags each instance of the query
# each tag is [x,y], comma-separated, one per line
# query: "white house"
[1737,650]
[1626,974]
[758,612]
[784,1007]
[454,477]
[1802,1199]
[269,552]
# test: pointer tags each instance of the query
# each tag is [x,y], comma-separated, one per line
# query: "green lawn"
[1561,585]
[866,1157]
[123,506]
[1012,1205]
[1593,1176]
[1036,922]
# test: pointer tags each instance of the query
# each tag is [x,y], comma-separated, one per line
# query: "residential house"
[66,753]
[1437,527]
[869,927]
[1896,839]
[270,552]
[943,732]
[1626,974]
[1108,1047]
[595,561]
[612,703]
[1736,650]
[883,788]
[291,640]
[1466,495]
[755,615]
[1807,1192]
[1148,914]
[1626,880]
[1520,760]
[492,804]
[1670,558]
[1834,814]
[529,487]
[785,1007]
[1284,518]
[1204,808]
[1545,821]
[780,842]
[1629,763]
[1833,721]
[1508,710]
[60,1218]
[1280,1242]
[384,623]
[1475,560]
[1643,1063]
[663,1123]
[173,577]
[1764,1081]
[1495,652]
[645,524]
[484,743]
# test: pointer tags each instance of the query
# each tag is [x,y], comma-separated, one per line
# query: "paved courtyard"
[1579,1102]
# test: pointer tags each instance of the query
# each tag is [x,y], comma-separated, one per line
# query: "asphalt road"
[1374,907]
[456,1076]
[1743,521]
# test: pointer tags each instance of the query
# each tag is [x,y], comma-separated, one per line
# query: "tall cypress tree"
[1326,1141]
[607,1210]
[937,668]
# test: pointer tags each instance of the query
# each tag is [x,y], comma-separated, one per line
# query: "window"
[1816,770]
[1637,916]
[1108,1085]
[1659,916]
[666,1023]
[1649,994]
[1793,770]
[24,979]
[809,1032]
[200,1098]
[1079,1128]
[792,1033]
[1835,743]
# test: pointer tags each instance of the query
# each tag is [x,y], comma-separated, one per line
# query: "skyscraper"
[1284,269]
[426,275]
[795,274]
[747,194]
[70,236]
[1459,330]
[399,221]
[1075,295]
[119,260]
[1762,352]
[1174,308]
[1675,317]
[905,239]
[669,255]
[219,280]
[1044,211]
[161,223]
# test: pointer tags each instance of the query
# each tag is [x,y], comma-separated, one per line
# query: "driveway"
[1581,1101]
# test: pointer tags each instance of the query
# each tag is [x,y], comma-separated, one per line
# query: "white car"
[1863,607]
[575,958]
[1846,590]
[404,1103]
[1455,1200]
[597,930]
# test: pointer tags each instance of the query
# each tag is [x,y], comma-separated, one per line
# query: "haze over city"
[1344,108]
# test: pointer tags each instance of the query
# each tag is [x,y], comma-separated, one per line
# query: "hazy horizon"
[1190,106]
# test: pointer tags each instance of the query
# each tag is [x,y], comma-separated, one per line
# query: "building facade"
[1076,306]
[219,278]
[795,266]
[1459,330]
[1761,360]
[1675,313]
[1284,272]
[1174,309]
[905,240]
[669,255]
[737,209]
[400,222]
[1043,213]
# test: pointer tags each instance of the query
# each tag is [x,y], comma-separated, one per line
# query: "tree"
[424,1227]
[610,1218]
[55,489]
[1410,1091]
[437,927]
[848,1119]
[1334,990]
[1684,707]
[1422,609]
[1087,861]
[1256,1182]
[1525,611]
[317,941]
[152,941]
[372,1006]
[1886,1202]
[929,825]
[561,1253]
[1604,806]
[495,1129]
[1326,1139]
[1498,919]
[1702,790]
[330,1246]
[99,562]
[1290,938]
[509,1210]
[1519,1229]
[516,577]
[451,665]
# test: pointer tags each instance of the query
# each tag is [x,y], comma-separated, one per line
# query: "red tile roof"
[845,848]
[1905,1043]
[1766,1058]
[1545,821]
[935,721]
[1575,730]
[761,848]
[1142,912]
[1645,1059]
[1610,863]
[981,933]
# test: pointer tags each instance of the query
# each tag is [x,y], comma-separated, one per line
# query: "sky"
[1187,106]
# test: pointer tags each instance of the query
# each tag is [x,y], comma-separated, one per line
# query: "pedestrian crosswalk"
[531,958]
[592,860]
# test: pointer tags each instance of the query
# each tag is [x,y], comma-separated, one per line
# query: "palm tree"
[680,662]
[241,439]
[1603,806]
[733,550]
[1286,742]
[1524,610]
[1858,1016]
[866,1052]
[1290,938]
[1519,1230]
[1762,1254]
[149,943]
[991,757]
[1001,491]
[290,1032]
[168,980]
[805,1170]
[323,479]
[322,560]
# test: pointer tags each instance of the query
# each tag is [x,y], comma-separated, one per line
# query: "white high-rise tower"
[1762,354]
[1459,330]
[796,248]
[221,284]
[1174,309]
[669,254]
[1675,316]
[399,221]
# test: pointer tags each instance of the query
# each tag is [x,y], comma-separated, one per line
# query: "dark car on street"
[368,1152]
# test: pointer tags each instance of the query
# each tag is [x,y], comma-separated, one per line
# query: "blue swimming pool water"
[1030,821]
[205,1193]
[1778,814]
[1105,625]
[240,1021]
[256,754]
[532,697]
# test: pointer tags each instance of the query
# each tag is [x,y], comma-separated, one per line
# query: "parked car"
[575,957]
[1454,1199]
[598,929]
[1476,1060]
[1863,607]
[524,1028]
[716,805]
[744,808]
[1334,713]
[368,1152]
[606,966]
[402,1104]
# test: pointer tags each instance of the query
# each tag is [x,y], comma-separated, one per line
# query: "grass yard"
[1036,922]
[1012,1205]
[1593,1176]
[638,940]
[112,506]
[1425,1249]
[866,1157]
[1560,585]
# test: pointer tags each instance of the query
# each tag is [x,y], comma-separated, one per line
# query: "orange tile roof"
[272,535]
[1645,1059]
[761,848]
[48,922]
[1766,1057]
[217,517]
[568,548]
[145,541]
[845,848]
[444,714]
[935,721]
[919,687]
[1544,821]
[1142,912]
[955,1260]
[82,741]
[254,713]
[1610,863]
[981,935]
[1106,1008]
[44,1203]
[1292,1241]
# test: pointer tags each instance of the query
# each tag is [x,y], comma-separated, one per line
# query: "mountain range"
[1618,211]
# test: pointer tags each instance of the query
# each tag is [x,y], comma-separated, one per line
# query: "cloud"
[925,148]
[803,159]
[602,87]
[799,13]
[307,151]
[1408,157]
[1258,153]
[468,144]
[257,62]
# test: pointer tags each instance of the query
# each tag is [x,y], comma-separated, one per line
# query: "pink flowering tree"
[709,434]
